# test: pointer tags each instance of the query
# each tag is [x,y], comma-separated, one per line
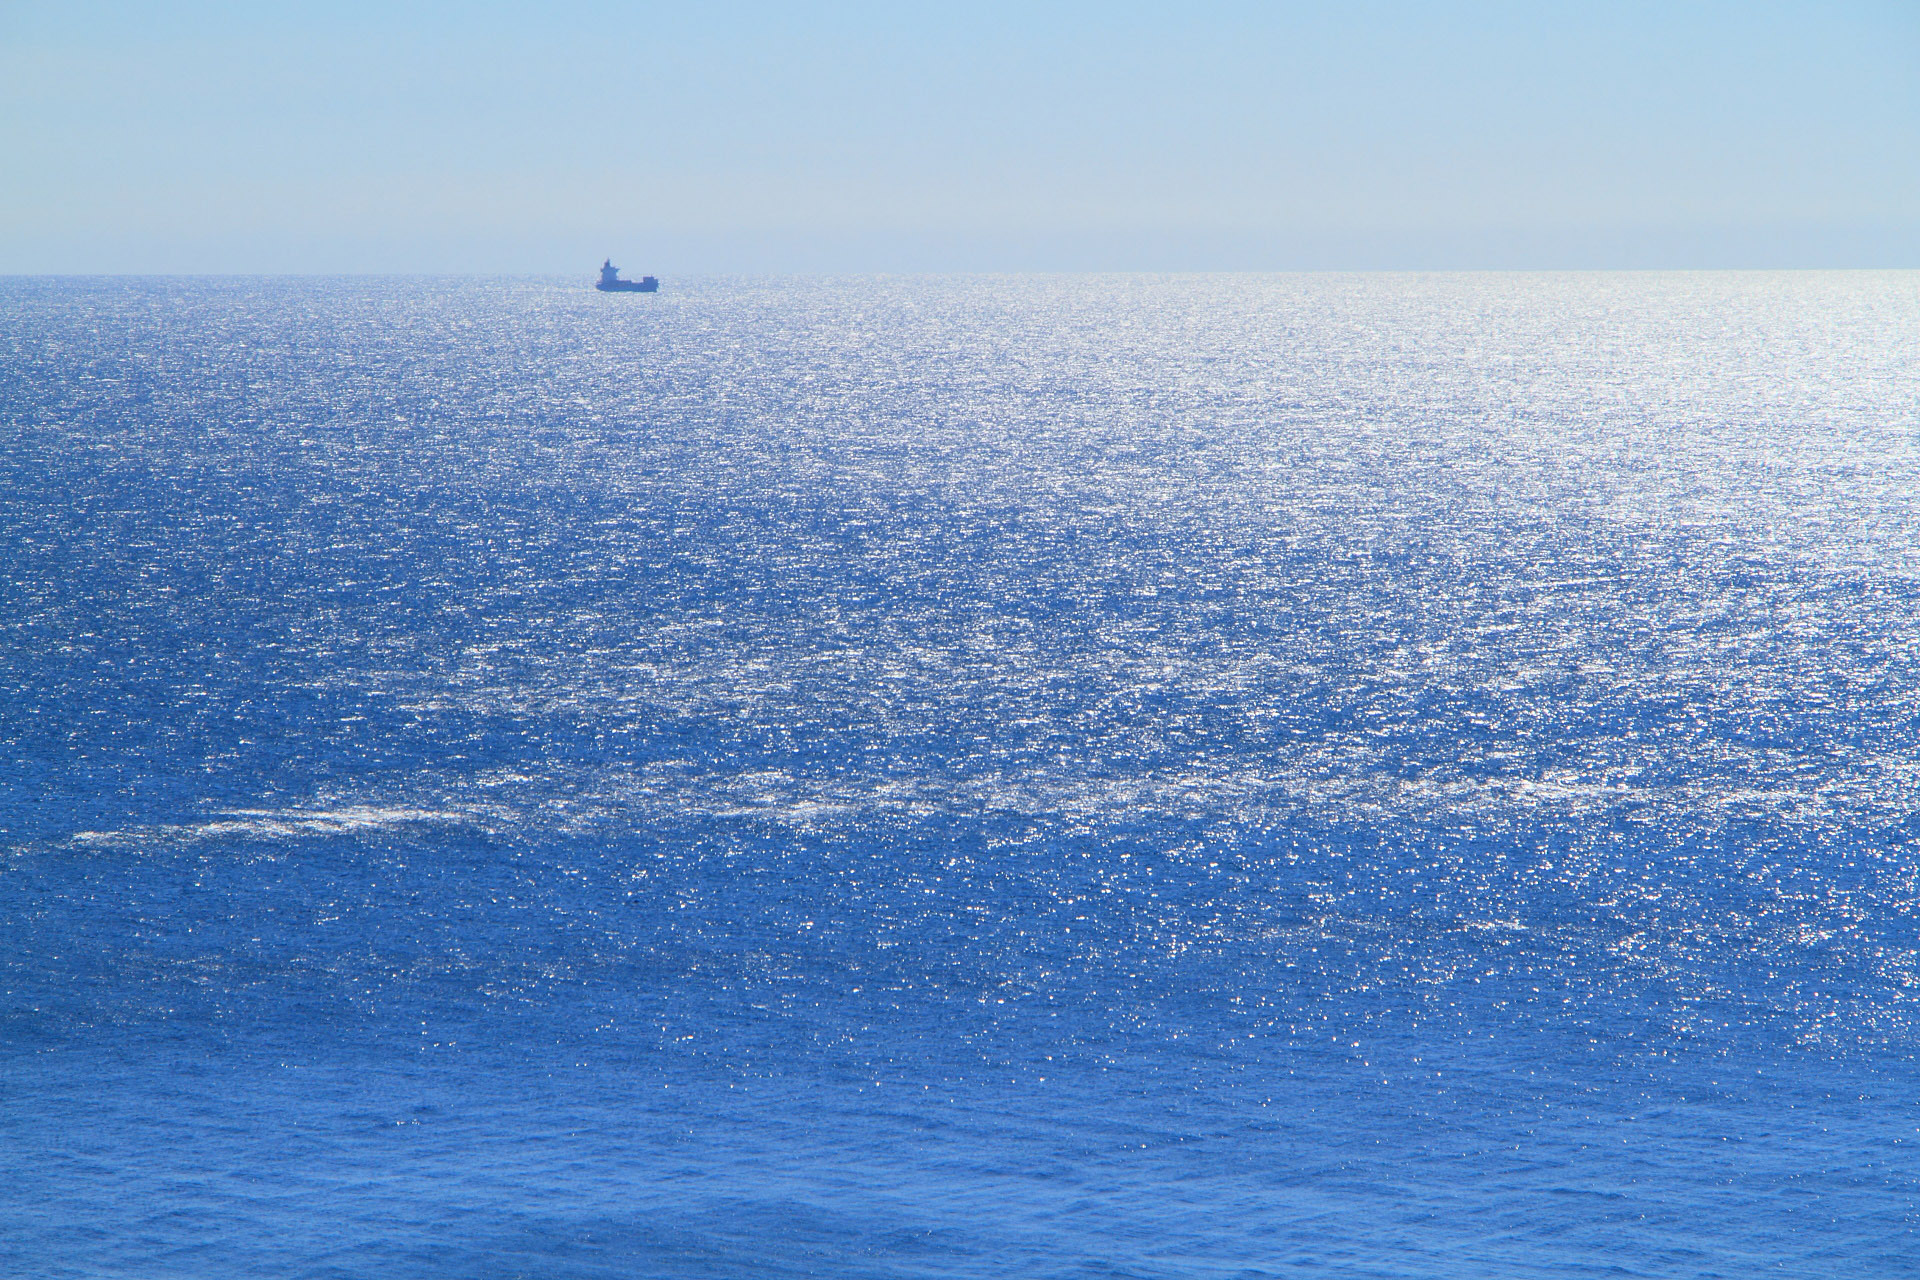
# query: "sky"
[195,136]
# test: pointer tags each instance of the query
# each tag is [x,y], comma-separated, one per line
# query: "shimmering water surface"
[1053,777]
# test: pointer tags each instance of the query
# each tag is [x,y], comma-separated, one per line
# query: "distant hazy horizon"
[434,138]
[801,273]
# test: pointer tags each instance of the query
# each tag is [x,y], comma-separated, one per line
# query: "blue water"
[1044,777]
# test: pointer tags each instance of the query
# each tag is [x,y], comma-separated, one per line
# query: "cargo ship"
[610,281]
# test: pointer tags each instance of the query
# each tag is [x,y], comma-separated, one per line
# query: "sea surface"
[1056,777]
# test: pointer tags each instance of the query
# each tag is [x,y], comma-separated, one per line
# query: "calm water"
[1038,777]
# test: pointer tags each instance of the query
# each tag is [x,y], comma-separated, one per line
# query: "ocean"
[878,777]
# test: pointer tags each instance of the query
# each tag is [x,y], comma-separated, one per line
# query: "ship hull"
[630,286]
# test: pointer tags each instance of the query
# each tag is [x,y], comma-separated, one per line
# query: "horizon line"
[816,273]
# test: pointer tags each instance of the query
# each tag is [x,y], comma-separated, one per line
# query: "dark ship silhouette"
[610,281]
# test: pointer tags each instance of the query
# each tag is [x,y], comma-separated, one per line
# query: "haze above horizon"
[498,138]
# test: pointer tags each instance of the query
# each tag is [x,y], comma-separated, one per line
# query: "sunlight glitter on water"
[1057,776]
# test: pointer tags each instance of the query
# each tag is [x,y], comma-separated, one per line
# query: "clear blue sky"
[343,136]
